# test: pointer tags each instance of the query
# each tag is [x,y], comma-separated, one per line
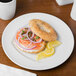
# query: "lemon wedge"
[53,44]
[46,53]
[49,50]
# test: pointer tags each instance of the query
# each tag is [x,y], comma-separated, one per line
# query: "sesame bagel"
[43,30]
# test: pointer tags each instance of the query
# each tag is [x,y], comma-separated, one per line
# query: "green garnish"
[30,34]
[22,32]
[24,37]
[37,37]
[33,39]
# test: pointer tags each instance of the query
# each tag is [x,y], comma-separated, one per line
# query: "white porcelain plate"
[28,61]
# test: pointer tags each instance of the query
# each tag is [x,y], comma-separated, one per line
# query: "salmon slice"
[27,43]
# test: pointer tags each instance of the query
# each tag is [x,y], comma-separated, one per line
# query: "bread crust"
[43,30]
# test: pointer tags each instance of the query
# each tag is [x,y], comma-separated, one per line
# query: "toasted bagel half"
[43,30]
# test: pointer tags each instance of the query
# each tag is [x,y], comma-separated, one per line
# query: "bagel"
[26,44]
[43,30]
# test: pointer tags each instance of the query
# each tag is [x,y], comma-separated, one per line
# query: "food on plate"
[46,53]
[49,50]
[29,42]
[53,44]
[38,38]
[43,30]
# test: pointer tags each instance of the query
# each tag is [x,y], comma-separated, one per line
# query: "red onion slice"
[26,34]
[29,44]
[23,35]
[31,36]
[23,47]
[32,40]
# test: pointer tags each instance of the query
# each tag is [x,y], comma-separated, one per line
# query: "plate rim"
[29,67]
